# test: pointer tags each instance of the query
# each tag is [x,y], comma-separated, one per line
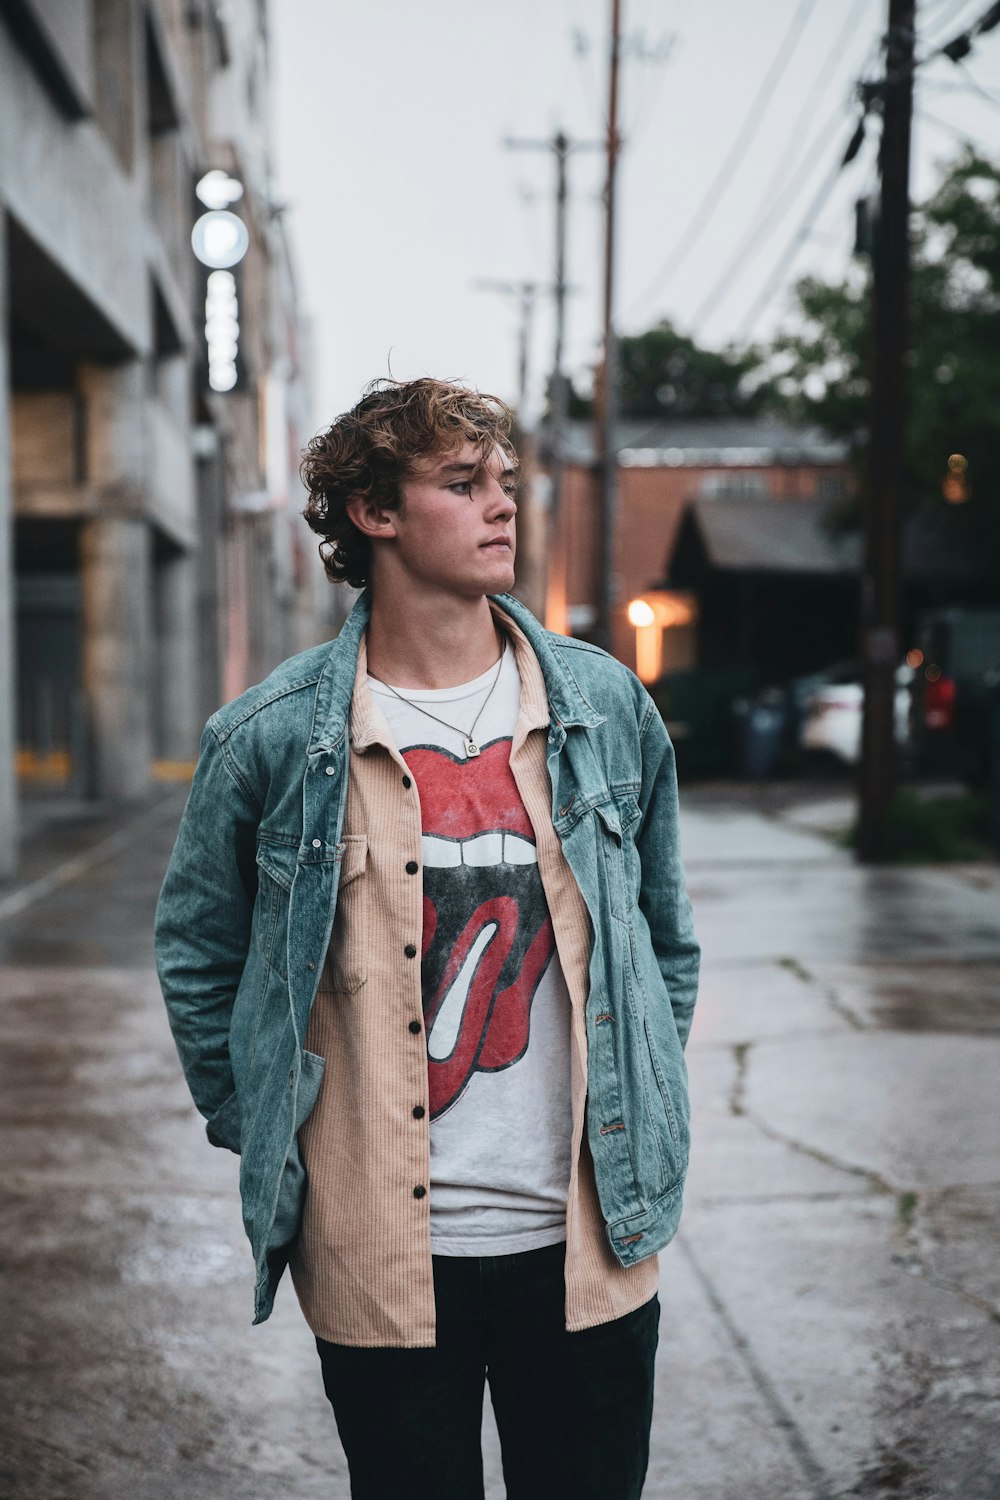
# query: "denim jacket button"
[331,770]
[317,843]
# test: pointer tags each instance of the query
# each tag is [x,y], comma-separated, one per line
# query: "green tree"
[664,374]
[821,369]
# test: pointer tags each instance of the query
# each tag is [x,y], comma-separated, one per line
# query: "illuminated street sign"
[219,239]
[222,330]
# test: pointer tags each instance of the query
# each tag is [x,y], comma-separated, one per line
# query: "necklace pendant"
[471,748]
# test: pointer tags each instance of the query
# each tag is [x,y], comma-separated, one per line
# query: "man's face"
[455,526]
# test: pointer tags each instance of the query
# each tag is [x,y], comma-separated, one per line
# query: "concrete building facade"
[153,561]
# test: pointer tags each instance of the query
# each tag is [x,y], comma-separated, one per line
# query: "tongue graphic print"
[487,936]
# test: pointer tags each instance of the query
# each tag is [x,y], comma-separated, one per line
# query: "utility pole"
[555,592]
[556,601]
[525,291]
[606,393]
[880,580]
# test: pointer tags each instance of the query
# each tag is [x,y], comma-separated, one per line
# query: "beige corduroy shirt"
[362,1266]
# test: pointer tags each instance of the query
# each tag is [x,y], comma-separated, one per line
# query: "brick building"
[745,466]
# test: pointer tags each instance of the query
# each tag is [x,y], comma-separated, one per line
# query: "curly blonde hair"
[370,450]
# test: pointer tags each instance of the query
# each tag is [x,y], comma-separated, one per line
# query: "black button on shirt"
[414,1027]
[410,951]
[418,1111]
[412,867]
[407,782]
[420,1192]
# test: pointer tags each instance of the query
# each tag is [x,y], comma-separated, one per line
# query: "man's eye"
[461,486]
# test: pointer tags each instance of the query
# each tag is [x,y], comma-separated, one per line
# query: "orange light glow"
[915,658]
[640,613]
[651,616]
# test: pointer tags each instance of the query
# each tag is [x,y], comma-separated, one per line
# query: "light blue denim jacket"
[247,906]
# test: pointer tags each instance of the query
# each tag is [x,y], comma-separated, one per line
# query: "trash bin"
[994,755]
[762,724]
[697,705]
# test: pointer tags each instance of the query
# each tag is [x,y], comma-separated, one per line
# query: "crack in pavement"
[813,1472]
[737,1107]
[736,1093]
[828,991]
[753,1200]
[971,1299]
[907,1200]
[805,1034]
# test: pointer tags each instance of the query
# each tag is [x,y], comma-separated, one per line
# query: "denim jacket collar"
[336,684]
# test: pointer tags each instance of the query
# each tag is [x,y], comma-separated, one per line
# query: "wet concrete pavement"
[831,1308]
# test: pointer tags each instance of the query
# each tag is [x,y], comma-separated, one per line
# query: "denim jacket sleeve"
[203,925]
[663,898]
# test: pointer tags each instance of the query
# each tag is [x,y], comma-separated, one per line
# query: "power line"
[713,194]
[960,45]
[977,87]
[762,228]
[955,130]
[770,215]
[933,20]
[987,21]
[797,240]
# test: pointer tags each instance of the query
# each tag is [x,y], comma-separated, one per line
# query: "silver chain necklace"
[471,748]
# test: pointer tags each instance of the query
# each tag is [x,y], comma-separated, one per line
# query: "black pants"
[573,1409]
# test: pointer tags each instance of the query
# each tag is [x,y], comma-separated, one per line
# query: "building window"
[831,488]
[731,484]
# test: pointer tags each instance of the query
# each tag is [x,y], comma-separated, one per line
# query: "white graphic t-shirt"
[496,1007]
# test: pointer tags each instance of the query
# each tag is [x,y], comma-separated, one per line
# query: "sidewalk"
[831,1307]
[839,1245]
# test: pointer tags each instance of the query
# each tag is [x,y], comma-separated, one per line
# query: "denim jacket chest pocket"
[617,821]
[347,967]
[276,858]
[598,835]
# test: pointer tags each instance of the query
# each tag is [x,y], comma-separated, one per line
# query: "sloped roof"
[773,537]
[793,536]
[709,442]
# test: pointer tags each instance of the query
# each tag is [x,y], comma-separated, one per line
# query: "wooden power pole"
[880,581]
[606,394]
[557,561]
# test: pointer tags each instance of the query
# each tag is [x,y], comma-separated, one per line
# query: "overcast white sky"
[390,118]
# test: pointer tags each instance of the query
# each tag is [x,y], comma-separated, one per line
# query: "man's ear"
[371,519]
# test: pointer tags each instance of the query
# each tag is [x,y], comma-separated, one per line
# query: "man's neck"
[433,642]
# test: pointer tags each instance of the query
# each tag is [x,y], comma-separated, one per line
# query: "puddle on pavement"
[947,998]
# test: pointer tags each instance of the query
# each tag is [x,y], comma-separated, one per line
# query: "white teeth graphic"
[440,854]
[484,849]
[447,1023]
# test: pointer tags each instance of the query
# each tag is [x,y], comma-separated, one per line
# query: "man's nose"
[500,502]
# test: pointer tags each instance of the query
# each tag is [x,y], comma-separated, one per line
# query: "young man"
[429,964]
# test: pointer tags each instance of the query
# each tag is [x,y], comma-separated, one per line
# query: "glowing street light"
[641,613]
[219,239]
[652,614]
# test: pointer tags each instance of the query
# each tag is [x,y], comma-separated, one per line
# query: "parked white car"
[832,720]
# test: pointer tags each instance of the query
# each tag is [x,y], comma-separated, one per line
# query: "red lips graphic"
[487,936]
